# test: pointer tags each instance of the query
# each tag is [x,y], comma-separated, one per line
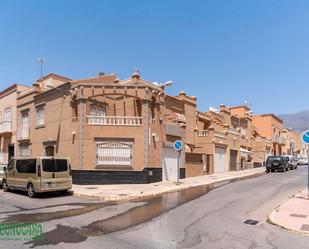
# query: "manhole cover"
[251,222]
[92,188]
[298,215]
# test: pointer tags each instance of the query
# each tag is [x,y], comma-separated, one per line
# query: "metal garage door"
[220,160]
[169,164]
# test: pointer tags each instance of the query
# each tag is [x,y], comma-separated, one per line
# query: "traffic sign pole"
[305,139]
[178,145]
[178,167]
[308,176]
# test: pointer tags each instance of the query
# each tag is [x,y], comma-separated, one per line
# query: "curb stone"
[137,197]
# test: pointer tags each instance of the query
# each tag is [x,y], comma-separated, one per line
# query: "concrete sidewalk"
[121,192]
[293,215]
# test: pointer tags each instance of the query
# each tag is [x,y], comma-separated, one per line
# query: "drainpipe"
[146,128]
[81,131]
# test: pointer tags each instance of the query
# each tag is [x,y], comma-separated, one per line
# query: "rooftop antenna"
[41,61]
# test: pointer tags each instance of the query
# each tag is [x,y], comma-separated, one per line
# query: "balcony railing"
[23,133]
[114,120]
[6,126]
[279,139]
[202,133]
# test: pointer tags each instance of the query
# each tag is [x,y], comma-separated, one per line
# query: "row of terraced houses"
[122,131]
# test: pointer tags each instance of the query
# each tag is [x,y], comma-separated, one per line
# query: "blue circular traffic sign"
[305,137]
[178,145]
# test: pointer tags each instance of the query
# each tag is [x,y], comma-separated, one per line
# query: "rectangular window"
[25,119]
[114,153]
[24,150]
[7,115]
[55,165]
[26,166]
[96,114]
[40,116]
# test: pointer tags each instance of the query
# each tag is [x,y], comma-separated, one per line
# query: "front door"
[10,151]
[233,159]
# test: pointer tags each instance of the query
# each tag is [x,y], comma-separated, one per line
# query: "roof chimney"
[100,74]
[136,74]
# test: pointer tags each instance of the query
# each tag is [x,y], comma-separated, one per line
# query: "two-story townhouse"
[271,127]
[8,106]
[261,148]
[241,121]
[225,135]
[210,139]
[114,131]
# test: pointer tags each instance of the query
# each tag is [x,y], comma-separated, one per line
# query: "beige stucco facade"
[8,122]
[271,127]
[125,128]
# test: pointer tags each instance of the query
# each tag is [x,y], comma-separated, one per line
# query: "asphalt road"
[213,219]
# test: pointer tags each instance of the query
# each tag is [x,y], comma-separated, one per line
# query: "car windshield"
[273,158]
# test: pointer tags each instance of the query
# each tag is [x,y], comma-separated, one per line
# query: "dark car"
[275,163]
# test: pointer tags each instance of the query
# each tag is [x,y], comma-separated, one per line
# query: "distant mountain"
[298,121]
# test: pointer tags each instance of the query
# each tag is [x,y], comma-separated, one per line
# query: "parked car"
[302,161]
[1,174]
[275,163]
[292,161]
[38,175]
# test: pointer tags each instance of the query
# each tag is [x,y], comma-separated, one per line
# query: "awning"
[245,151]
[180,117]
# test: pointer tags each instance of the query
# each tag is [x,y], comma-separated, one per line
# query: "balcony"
[279,139]
[5,127]
[114,120]
[202,133]
[23,133]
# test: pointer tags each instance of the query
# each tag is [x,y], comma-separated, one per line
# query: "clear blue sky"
[219,51]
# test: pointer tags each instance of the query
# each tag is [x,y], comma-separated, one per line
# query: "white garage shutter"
[114,153]
[169,164]
[220,160]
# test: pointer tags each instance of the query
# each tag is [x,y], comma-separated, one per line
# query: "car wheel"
[30,190]
[5,186]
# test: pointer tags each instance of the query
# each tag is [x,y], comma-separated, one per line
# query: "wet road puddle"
[153,207]
[48,216]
